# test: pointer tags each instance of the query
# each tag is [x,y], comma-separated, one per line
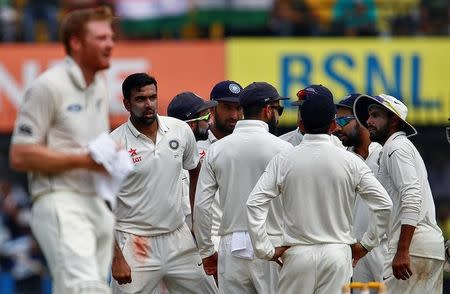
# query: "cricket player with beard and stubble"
[415,259]
[233,165]
[152,241]
[356,138]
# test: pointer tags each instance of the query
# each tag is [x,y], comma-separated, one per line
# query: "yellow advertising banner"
[415,70]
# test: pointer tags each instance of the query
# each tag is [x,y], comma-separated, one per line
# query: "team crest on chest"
[174,144]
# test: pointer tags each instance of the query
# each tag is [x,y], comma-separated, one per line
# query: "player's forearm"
[38,158]
[406,235]
[193,178]
[117,252]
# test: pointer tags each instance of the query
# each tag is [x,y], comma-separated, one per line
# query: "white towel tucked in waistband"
[241,245]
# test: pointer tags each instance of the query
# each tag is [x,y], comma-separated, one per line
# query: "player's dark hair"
[318,130]
[135,82]
[252,111]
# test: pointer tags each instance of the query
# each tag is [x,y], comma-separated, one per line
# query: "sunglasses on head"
[203,117]
[303,93]
[344,120]
[278,108]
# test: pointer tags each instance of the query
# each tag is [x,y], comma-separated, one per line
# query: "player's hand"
[88,163]
[278,253]
[401,265]
[358,252]
[121,271]
[210,264]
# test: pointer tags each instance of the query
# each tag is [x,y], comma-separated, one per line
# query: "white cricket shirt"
[234,165]
[62,113]
[361,213]
[203,147]
[317,182]
[404,175]
[149,202]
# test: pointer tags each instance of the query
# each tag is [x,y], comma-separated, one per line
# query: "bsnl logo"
[373,73]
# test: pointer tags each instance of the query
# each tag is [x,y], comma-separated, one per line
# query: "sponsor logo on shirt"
[134,155]
[25,129]
[202,154]
[74,108]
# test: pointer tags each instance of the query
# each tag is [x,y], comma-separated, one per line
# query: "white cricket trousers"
[318,269]
[427,277]
[172,258]
[75,233]
[242,276]
[370,267]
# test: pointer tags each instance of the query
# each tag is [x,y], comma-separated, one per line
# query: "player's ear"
[301,126]
[127,104]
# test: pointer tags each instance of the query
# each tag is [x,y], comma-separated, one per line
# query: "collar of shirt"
[317,138]
[75,73]
[250,124]
[393,136]
[162,127]
[211,137]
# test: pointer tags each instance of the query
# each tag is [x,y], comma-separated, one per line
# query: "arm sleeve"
[35,115]
[379,203]
[206,190]
[404,176]
[190,155]
[258,205]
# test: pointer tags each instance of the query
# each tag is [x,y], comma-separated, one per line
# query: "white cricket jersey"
[203,147]
[149,202]
[317,182]
[234,165]
[361,214]
[62,113]
[294,137]
[404,175]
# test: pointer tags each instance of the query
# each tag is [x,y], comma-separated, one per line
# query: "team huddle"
[215,201]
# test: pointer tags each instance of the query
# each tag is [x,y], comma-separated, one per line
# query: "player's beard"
[379,135]
[201,134]
[222,126]
[352,137]
[141,118]
[273,126]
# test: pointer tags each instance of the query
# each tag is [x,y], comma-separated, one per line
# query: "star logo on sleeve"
[202,154]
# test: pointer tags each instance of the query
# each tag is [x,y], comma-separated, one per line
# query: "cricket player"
[192,109]
[415,259]
[317,183]
[225,116]
[295,137]
[233,165]
[65,108]
[152,241]
[356,138]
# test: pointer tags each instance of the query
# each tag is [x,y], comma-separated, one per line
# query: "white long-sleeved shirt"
[234,165]
[361,213]
[318,183]
[294,137]
[404,175]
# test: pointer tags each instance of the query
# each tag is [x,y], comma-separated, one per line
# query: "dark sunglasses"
[278,108]
[344,120]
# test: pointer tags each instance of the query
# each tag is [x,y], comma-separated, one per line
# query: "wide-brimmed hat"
[390,103]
